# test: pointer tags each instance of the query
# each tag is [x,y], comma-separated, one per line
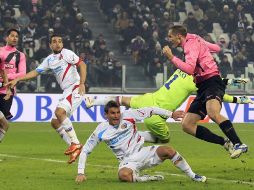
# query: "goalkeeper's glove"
[237,81]
[244,100]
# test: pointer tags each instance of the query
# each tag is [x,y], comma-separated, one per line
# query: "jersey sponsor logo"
[9,66]
[123,126]
[119,137]
[57,69]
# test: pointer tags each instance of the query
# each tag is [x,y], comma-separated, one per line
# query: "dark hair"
[179,29]
[8,32]
[111,104]
[54,35]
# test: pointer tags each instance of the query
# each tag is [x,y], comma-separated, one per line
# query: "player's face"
[12,39]
[175,39]
[113,116]
[56,44]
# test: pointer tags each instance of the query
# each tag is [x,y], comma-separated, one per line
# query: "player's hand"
[82,89]
[80,178]
[167,52]
[178,115]
[8,94]
[12,83]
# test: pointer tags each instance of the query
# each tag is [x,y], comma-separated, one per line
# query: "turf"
[31,157]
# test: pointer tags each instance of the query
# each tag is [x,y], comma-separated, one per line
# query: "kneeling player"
[121,136]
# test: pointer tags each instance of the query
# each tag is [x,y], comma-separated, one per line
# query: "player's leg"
[213,94]
[213,107]
[70,101]
[5,115]
[145,158]
[196,112]
[158,128]
[125,174]
[101,101]
[166,152]
[3,126]
[60,130]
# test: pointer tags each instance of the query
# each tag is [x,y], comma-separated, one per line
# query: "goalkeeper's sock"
[2,134]
[229,131]
[64,135]
[181,163]
[67,125]
[104,100]
[205,134]
[148,136]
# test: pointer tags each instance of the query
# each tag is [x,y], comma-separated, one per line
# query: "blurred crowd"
[37,20]
[142,26]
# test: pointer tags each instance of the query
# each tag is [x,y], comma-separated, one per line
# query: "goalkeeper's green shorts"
[156,124]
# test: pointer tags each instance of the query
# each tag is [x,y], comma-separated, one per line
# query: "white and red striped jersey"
[63,66]
[123,139]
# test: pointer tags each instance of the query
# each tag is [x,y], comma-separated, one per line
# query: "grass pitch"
[31,157]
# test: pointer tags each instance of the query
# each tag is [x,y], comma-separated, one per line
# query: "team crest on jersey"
[123,126]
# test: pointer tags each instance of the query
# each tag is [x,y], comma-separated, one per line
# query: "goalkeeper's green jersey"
[175,91]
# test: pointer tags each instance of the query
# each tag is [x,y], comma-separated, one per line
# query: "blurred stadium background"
[121,41]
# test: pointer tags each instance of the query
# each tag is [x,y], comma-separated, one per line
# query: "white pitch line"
[214,179]
[112,167]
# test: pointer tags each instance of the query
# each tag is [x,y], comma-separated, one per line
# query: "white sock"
[104,100]
[181,163]
[2,134]
[67,125]
[63,135]
[148,136]
[142,178]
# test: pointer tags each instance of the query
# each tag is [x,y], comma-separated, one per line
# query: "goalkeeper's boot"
[238,150]
[72,148]
[199,178]
[74,156]
[228,145]
[89,101]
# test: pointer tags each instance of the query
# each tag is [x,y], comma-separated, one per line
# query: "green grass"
[27,146]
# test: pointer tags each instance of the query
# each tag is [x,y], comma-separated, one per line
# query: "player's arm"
[82,72]
[147,112]
[30,75]
[91,143]
[237,100]
[5,81]
[213,48]
[21,70]
[191,51]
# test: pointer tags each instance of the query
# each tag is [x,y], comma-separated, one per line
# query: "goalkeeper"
[170,97]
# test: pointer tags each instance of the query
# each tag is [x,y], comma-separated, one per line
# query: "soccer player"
[14,63]
[3,121]
[170,96]
[199,62]
[63,63]
[121,136]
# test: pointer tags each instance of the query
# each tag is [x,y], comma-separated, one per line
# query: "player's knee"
[55,123]
[165,152]
[125,175]
[214,115]
[186,126]
[60,114]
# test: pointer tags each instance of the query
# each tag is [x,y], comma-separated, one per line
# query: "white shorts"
[70,100]
[145,158]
